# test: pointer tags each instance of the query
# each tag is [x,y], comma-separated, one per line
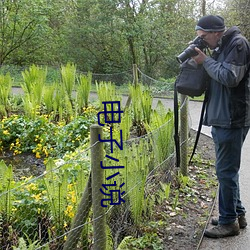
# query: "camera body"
[190,51]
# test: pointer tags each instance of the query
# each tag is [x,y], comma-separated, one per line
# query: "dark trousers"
[228,145]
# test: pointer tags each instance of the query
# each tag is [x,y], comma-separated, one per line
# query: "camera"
[190,51]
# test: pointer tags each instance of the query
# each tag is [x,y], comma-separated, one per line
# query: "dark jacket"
[229,90]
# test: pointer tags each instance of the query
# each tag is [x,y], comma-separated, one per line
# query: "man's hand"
[200,58]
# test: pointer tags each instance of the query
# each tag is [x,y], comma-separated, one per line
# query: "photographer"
[228,112]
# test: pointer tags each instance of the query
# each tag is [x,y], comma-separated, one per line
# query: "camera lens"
[190,51]
[187,53]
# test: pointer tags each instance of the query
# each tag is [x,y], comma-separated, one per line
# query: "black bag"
[192,80]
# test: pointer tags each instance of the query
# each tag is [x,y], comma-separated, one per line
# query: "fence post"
[135,74]
[80,218]
[184,135]
[99,221]
[135,82]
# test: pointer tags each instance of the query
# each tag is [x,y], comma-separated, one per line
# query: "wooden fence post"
[135,74]
[135,82]
[80,218]
[97,173]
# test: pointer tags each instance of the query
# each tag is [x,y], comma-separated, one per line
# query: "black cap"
[210,23]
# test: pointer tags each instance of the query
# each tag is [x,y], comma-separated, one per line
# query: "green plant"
[30,208]
[5,90]
[83,91]
[164,191]
[6,196]
[184,181]
[147,241]
[29,245]
[34,81]
[161,127]
[68,74]
[106,93]
[135,158]
[42,136]
[56,187]
[48,98]
[176,199]
[141,103]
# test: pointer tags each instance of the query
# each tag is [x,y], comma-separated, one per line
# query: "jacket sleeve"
[234,66]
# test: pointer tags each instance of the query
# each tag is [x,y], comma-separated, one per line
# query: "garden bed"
[186,225]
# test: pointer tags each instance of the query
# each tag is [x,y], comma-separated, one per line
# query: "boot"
[241,219]
[221,231]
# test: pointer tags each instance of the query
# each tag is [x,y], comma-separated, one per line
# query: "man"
[228,112]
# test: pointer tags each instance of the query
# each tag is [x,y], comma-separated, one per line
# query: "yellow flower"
[6,132]
[14,209]
[45,151]
[37,196]
[69,211]
[38,155]
[73,199]
[31,187]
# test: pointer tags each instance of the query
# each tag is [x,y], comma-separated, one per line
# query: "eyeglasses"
[203,36]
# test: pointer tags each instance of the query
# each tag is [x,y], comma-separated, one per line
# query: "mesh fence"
[55,209]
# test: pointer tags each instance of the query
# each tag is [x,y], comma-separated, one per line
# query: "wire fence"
[57,209]
[158,87]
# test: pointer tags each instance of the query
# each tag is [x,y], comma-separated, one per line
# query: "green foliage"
[164,191]
[5,90]
[106,92]
[48,98]
[126,124]
[184,181]
[6,184]
[68,74]
[161,126]
[103,36]
[141,103]
[30,206]
[57,188]
[83,91]
[43,137]
[147,241]
[29,245]
[34,81]
[23,25]
[135,158]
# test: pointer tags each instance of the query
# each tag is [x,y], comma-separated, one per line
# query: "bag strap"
[199,127]
[176,126]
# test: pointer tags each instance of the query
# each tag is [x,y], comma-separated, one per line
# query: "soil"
[24,164]
[188,221]
[176,222]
